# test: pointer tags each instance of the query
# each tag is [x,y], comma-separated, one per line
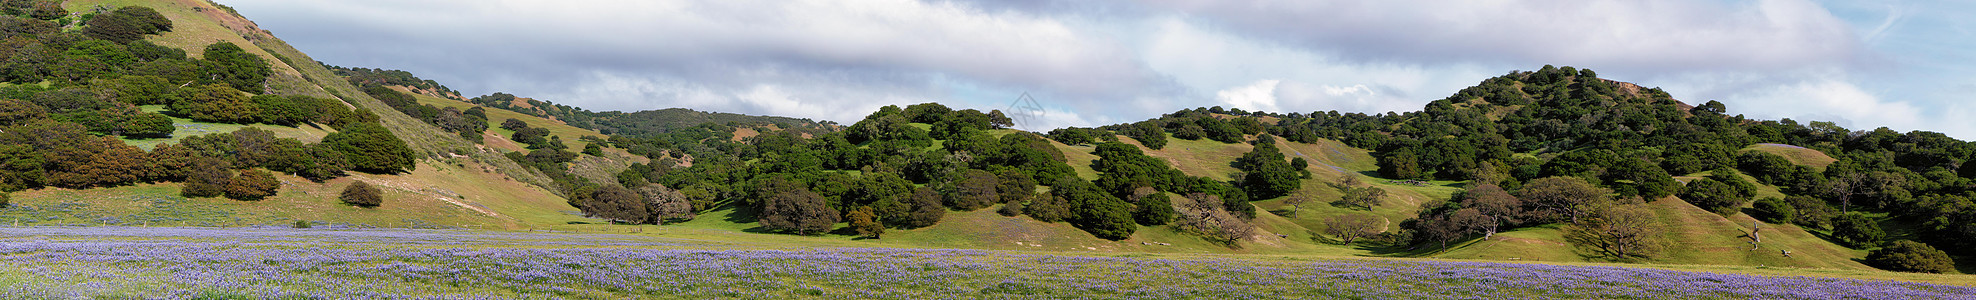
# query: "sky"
[1904,65]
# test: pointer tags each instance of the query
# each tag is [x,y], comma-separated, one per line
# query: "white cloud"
[684,52]
[1655,36]
[1830,100]
[1105,61]
[1260,96]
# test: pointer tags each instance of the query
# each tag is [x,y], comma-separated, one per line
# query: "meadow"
[282,263]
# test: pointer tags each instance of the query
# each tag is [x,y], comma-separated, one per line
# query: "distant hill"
[640,123]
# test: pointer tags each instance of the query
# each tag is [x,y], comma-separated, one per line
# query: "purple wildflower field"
[175,263]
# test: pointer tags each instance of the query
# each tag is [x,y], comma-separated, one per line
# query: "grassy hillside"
[198,23]
[434,196]
[1798,155]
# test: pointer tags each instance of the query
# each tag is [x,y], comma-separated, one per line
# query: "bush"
[127,24]
[1154,210]
[1911,256]
[1857,231]
[206,177]
[371,148]
[1712,195]
[976,189]
[362,194]
[790,207]
[926,209]
[252,185]
[1774,210]
[229,64]
[215,103]
[865,222]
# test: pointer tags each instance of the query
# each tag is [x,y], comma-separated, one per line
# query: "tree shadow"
[742,214]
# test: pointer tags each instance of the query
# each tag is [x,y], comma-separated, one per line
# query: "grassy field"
[1797,155]
[267,263]
[188,128]
[433,196]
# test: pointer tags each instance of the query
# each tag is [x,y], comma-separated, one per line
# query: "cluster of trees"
[470,124]
[647,123]
[126,24]
[45,10]
[1620,229]
[886,172]
[1633,140]
[1216,123]
[380,77]
[1266,174]
[73,88]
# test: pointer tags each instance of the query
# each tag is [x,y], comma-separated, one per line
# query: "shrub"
[926,209]
[976,189]
[1857,231]
[362,194]
[371,148]
[252,185]
[1710,194]
[865,222]
[126,24]
[1911,256]
[790,207]
[215,103]
[206,177]
[1774,210]
[1154,210]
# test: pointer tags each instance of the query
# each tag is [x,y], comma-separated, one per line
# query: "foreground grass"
[125,262]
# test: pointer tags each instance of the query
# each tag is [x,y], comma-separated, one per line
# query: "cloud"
[636,55]
[1097,62]
[1649,36]
[1260,96]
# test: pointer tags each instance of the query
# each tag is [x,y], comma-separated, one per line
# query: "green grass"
[189,128]
[421,199]
[1797,155]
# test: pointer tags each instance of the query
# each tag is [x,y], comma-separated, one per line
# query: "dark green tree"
[126,24]
[226,63]
[795,209]
[619,204]
[1774,210]
[1712,195]
[925,211]
[148,125]
[1266,174]
[1911,256]
[371,148]
[215,103]
[1858,231]
[1154,210]
[977,189]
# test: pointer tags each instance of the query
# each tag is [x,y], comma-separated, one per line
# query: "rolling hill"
[727,175]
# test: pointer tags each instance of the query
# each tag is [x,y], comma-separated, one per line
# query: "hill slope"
[453,185]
